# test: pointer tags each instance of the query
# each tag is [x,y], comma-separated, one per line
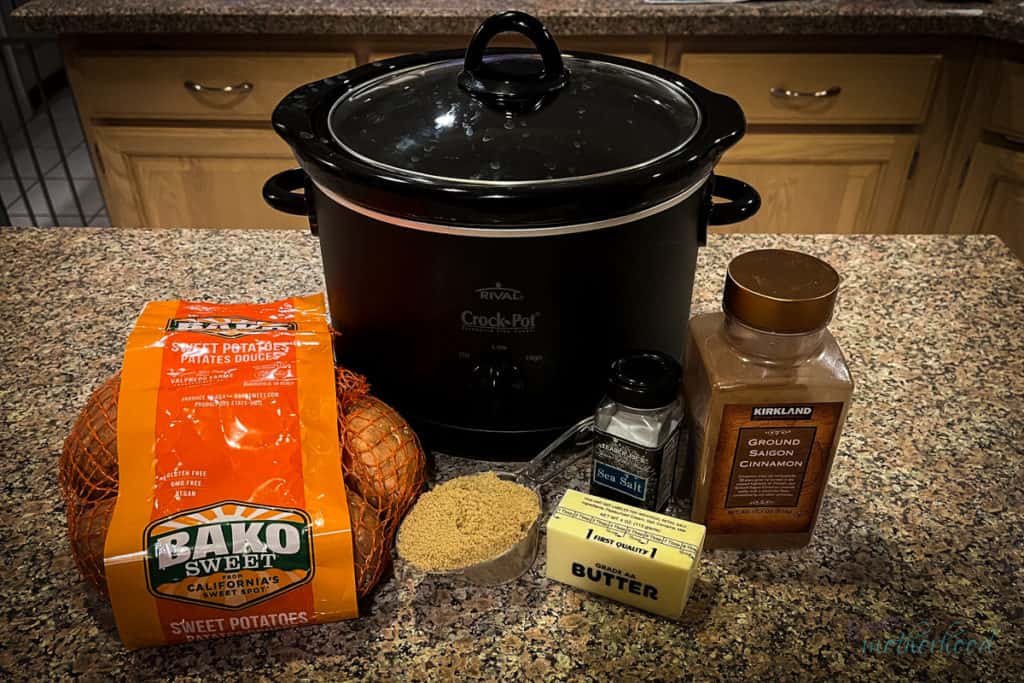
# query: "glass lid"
[597,118]
[516,138]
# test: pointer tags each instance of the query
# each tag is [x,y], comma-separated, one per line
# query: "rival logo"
[228,328]
[782,412]
[499,293]
[229,555]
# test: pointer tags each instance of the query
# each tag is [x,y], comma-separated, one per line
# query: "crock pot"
[497,226]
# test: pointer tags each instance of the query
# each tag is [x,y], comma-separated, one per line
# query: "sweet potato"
[382,463]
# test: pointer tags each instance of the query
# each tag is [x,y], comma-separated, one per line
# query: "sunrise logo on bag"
[229,555]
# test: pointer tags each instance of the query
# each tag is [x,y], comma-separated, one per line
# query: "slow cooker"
[497,226]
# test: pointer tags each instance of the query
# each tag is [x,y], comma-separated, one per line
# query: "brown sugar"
[465,521]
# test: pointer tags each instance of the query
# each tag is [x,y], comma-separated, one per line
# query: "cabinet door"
[1008,110]
[992,197]
[821,183]
[164,177]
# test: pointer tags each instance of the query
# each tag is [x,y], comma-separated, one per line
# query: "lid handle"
[510,88]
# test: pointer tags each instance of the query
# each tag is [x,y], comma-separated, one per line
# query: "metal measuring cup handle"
[540,471]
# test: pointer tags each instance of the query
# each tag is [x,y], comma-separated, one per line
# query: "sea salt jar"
[638,430]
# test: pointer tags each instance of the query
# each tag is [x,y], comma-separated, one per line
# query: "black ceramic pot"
[497,226]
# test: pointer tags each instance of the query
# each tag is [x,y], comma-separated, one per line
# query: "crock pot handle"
[504,89]
[744,201]
[279,192]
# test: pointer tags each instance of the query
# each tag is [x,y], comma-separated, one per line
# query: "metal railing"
[32,104]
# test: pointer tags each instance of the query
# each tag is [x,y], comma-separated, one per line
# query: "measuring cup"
[518,559]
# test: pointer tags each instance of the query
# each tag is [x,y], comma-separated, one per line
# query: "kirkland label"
[769,467]
[782,412]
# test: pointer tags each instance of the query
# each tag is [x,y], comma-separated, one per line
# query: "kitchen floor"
[54,177]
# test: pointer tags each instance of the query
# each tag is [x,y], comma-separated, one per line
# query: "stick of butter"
[624,553]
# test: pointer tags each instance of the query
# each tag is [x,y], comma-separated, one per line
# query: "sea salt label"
[632,473]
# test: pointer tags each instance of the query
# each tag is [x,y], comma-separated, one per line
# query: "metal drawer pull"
[192,86]
[828,92]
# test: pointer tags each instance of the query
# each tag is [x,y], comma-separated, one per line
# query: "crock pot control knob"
[498,376]
[512,87]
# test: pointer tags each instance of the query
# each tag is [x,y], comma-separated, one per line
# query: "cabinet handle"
[244,86]
[827,92]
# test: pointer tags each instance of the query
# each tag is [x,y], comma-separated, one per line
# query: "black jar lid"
[510,138]
[646,379]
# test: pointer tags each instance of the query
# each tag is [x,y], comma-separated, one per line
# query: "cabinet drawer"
[191,177]
[141,85]
[645,57]
[1008,113]
[850,88]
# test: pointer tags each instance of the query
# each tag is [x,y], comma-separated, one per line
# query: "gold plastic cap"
[780,291]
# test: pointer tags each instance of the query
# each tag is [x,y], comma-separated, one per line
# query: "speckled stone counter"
[1002,19]
[921,530]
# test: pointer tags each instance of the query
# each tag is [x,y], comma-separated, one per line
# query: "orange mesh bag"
[383,465]
[382,462]
[89,464]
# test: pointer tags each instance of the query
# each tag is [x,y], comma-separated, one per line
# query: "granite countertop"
[1003,19]
[922,523]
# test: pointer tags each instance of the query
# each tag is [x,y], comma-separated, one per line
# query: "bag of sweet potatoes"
[230,480]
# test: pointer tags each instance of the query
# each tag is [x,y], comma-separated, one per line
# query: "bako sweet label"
[228,555]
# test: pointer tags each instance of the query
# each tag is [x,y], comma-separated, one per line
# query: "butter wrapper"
[631,555]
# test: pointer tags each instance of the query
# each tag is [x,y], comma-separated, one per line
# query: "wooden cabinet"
[981,187]
[821,182]
[832,137]
[187,177]
[204,86]
[865,89]
[992,197]
[170,156]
